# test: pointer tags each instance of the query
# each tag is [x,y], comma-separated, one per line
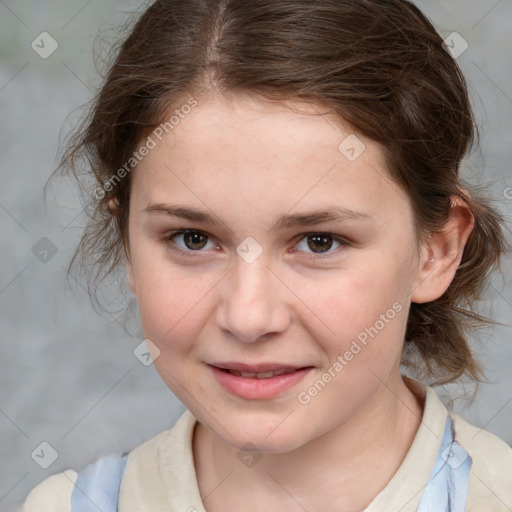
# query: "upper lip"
[256,368]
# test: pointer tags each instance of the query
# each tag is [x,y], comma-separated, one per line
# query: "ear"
[441,254]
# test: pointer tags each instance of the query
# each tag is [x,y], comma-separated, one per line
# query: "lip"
[253,388]
[256,368]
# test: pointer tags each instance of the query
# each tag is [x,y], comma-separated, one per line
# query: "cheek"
[356,298]
[368,318]
[172,316]
[173,302]
[363,316]
[169,310]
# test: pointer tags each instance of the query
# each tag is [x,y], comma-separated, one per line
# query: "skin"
[247,162]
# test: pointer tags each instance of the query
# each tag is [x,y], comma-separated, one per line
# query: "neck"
[335,471]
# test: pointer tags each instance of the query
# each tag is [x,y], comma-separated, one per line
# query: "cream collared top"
[160,474]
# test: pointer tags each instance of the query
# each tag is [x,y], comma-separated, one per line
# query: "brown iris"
[194,240]
[319,242]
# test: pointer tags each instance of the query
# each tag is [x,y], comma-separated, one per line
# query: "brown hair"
[378,64]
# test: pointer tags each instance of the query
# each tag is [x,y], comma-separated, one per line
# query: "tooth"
[260,375]
[265,375]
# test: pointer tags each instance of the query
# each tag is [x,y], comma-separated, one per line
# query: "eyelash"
[310,256]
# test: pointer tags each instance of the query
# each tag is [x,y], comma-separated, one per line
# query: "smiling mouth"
[257,371]
[263,381]
[258,375]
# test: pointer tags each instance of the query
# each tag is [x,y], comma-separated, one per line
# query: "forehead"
[221,125]
[259,154]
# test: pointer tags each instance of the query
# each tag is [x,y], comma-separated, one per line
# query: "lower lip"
[252,388]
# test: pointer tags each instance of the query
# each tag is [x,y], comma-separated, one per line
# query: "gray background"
[68,376]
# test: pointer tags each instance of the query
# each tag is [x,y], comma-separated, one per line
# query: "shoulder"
[490,485]
[142,482]
[52,494]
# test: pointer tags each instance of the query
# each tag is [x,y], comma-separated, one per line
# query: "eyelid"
[315,256]
[308,255]
[187,253]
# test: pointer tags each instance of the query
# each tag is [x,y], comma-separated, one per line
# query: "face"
[259,245]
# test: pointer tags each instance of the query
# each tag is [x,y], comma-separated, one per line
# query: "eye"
[187,241]
[319,243]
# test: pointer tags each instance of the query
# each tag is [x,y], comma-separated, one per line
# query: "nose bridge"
[252,303]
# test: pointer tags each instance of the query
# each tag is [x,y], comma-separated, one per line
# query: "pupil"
[194,239]
[320,242]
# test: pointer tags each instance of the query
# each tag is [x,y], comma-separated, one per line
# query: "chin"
[260,433]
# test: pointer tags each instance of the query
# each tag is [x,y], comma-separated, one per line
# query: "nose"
[253,302]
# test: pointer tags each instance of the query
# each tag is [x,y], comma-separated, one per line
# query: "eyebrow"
[334,214]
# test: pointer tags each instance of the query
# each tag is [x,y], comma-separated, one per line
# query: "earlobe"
[441,255]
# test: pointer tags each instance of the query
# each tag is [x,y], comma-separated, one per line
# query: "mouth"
[259,371]
[258,381]
[258,375]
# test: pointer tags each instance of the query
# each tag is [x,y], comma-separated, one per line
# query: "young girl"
[280,179]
